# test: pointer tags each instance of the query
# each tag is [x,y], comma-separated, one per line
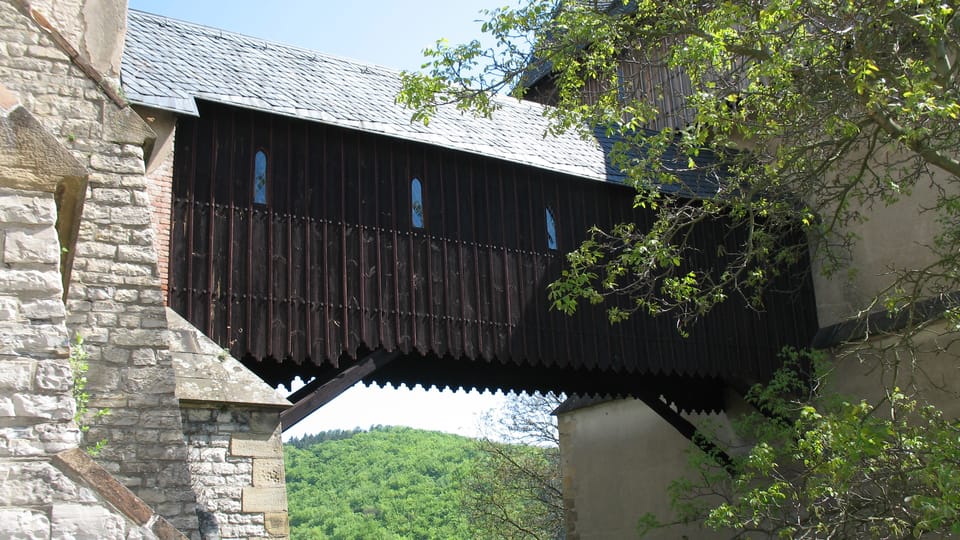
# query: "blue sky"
[386,32]
[389,33]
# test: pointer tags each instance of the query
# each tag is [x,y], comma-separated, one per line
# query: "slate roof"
[169,64]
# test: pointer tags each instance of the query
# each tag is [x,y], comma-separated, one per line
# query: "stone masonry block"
[142,338]
[97,294]
[136,150]
[116,165]
[9,308]
[150,380]
[86,522]
[126,295]
[140,254]
[16,49]
[31,281]
[268,499]
[268,472]
[7,410]
[144,237]
[97,250]
[264,421]
[110,233]
[32,339]
[44,52]
[58,407]
[112,196]
[56,436]
[24,524]
[197,415]
[51,308]
[161,419]
[140,198]
[115,355]
[16,375]
[134,181]
[34,484]
[32,246]
[17,208]
[54,376]
[257,446]
[144,357]
[96,214]
[276,523]
[151,297]
[130,215]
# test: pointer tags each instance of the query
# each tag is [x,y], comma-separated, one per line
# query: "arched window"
[416,203]
[260,178]
[551,229]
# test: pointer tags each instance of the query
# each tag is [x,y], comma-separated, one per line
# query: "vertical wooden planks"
[333,265]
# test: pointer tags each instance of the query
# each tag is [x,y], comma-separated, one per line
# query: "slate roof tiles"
[169,64]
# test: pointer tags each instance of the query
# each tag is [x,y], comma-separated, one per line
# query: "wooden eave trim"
[880,323]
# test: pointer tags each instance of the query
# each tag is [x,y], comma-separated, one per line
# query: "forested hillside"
[387,483]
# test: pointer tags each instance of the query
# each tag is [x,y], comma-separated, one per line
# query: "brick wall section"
[160,190]
[237,456]
[115,300]
[160,186]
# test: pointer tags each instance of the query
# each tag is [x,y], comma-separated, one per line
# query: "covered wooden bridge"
[316,232]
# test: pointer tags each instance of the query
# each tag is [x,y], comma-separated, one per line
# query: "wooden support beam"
[688,430]
[319,393]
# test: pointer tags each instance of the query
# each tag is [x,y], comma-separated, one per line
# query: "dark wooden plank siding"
[333,265]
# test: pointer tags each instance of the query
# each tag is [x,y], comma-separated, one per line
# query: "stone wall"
[49,488]
[237,456]
[115,301]
[36,404]
[231,421]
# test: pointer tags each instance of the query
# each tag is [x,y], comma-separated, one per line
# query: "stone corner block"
[264,499]
[276,523]
[126,127]
[255,445]
[264,421]
[36,161]
[268,472]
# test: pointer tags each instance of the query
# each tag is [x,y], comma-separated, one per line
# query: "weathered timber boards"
[332,265]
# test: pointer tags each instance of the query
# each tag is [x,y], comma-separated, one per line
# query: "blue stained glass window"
[416,203]
[551,229]
[260,178]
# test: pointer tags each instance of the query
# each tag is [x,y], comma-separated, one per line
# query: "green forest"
[392,483]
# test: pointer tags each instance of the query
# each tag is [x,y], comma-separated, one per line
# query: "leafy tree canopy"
[816,109]
[817,112]
[828,467]
[402,483]
[390,482]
